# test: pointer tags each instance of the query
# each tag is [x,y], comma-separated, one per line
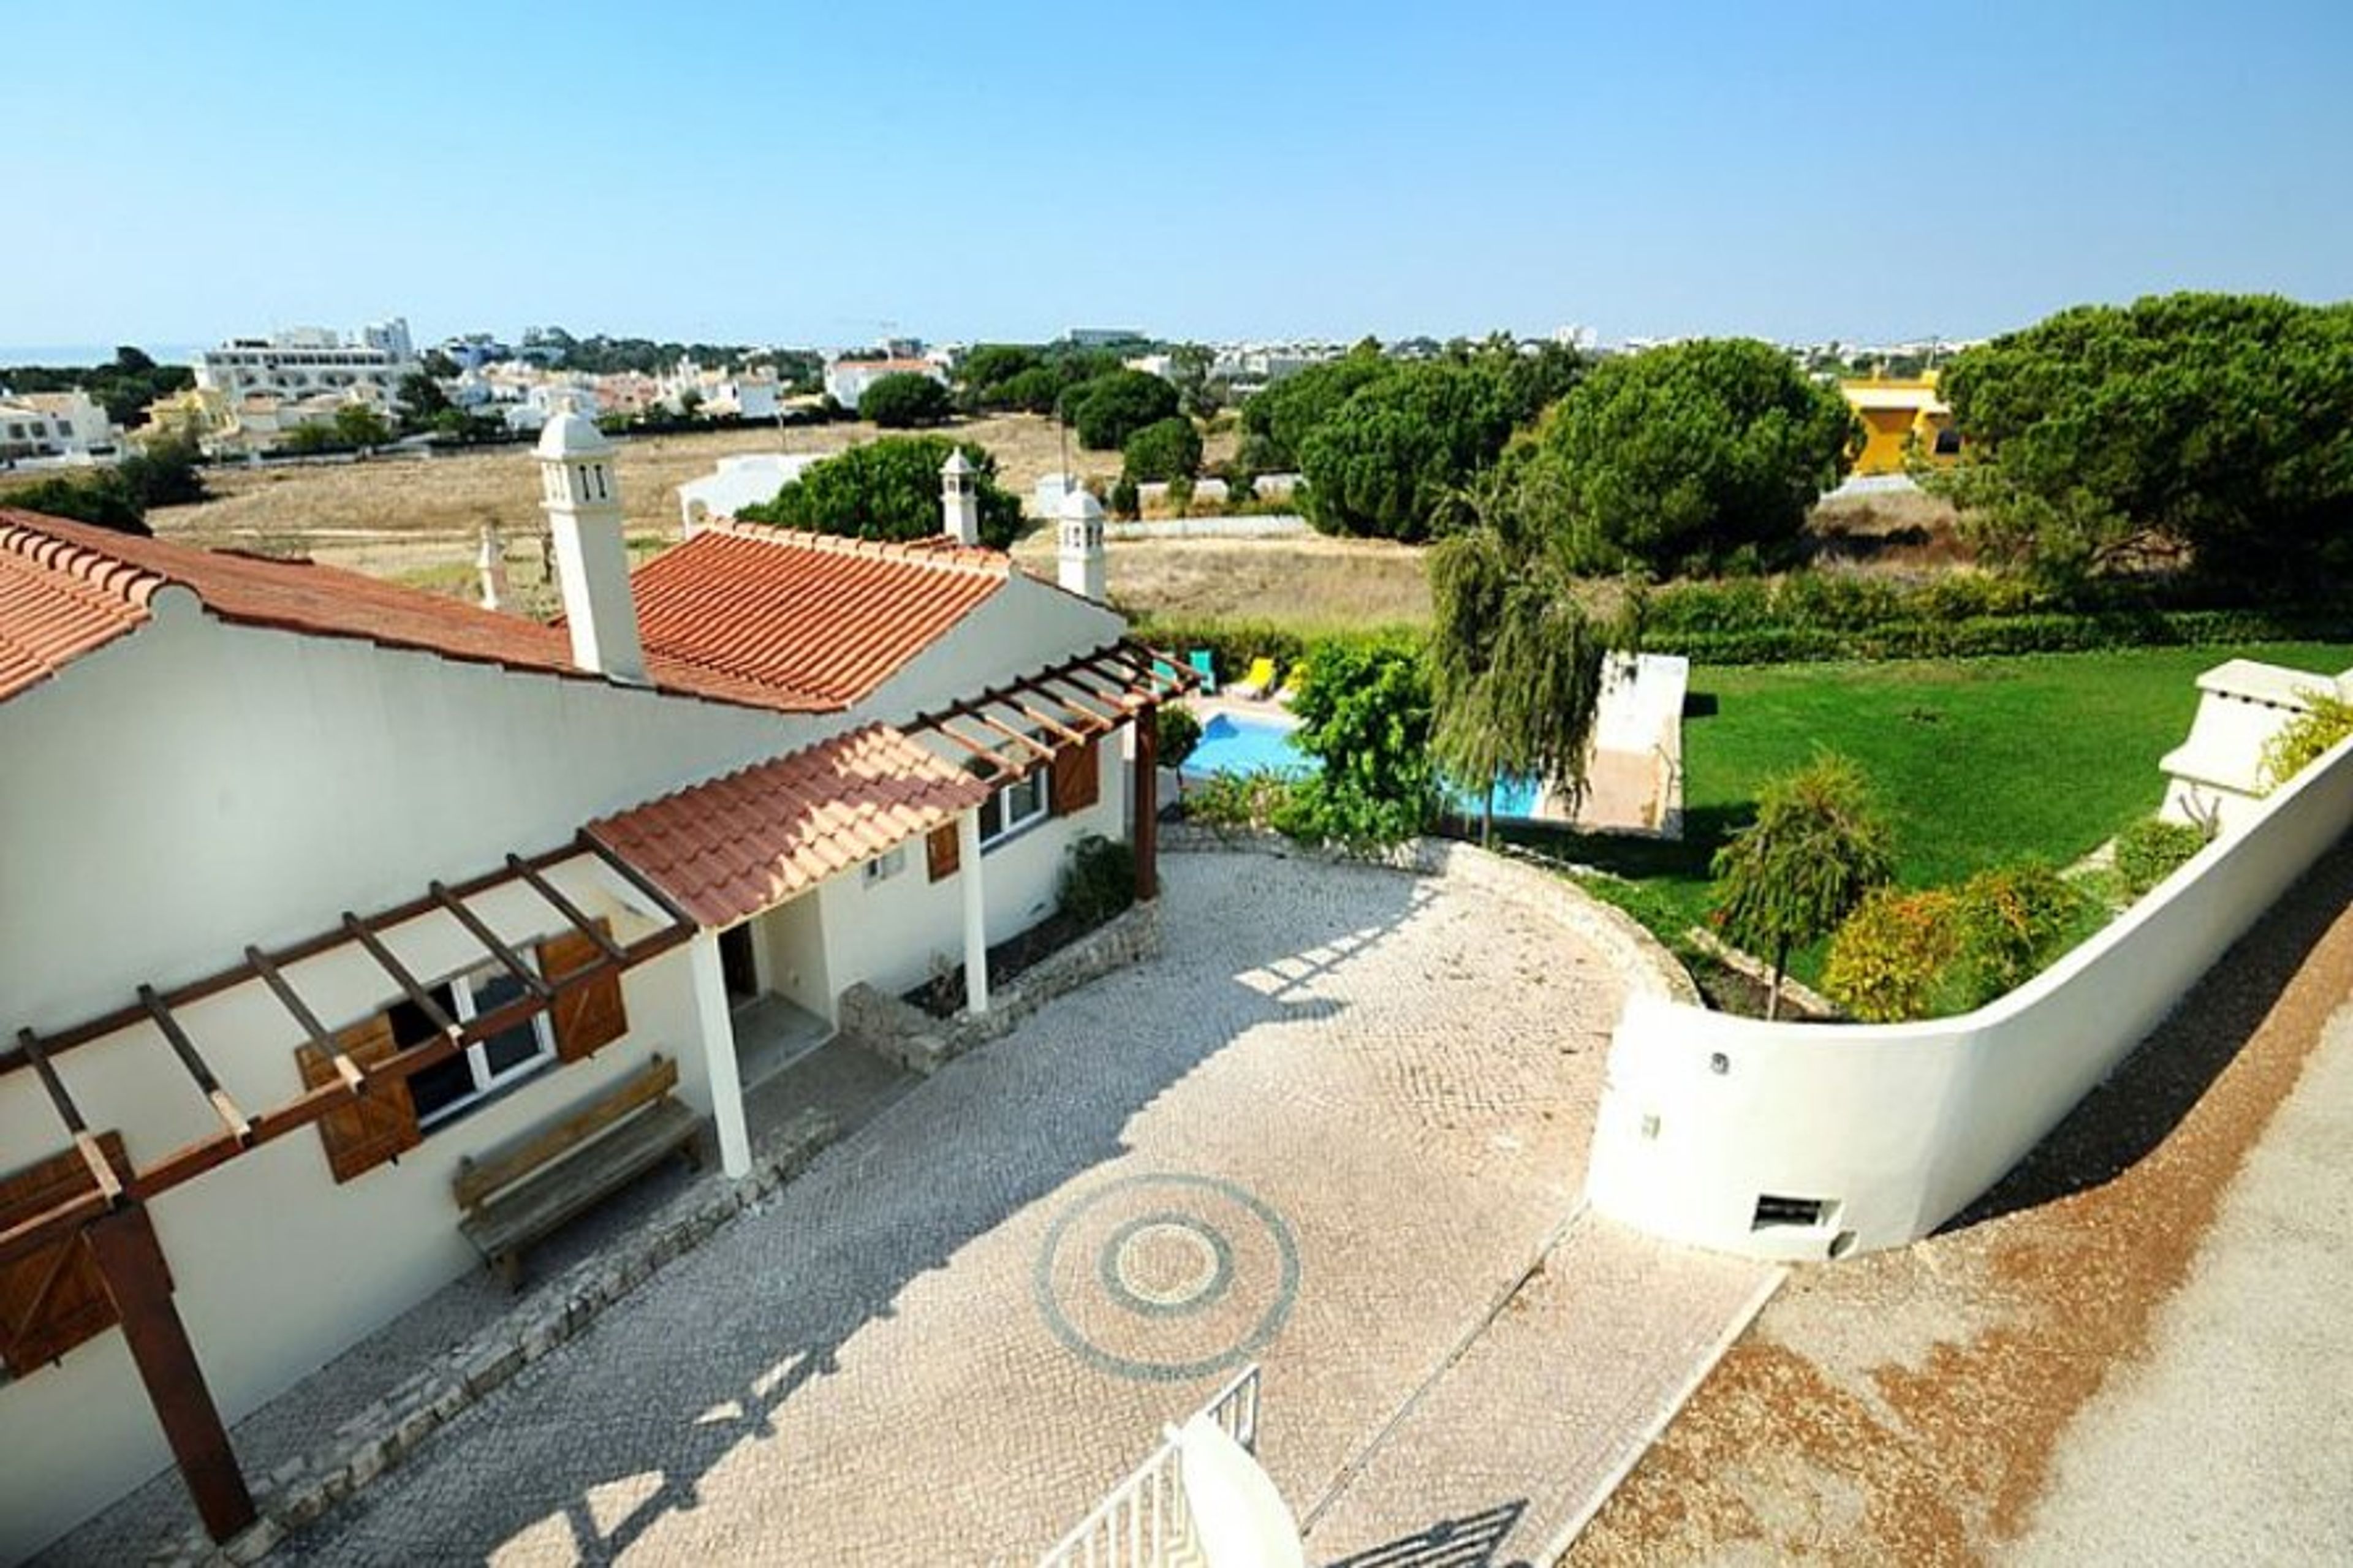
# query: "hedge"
[1815,617]
[1977,636]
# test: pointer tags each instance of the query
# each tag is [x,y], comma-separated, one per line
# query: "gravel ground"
[1915,1406]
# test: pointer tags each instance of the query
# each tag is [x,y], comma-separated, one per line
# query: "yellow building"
[1896,414]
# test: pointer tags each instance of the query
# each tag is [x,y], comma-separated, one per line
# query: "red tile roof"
[818,621]
[59,600]
[762,617]
[728,848]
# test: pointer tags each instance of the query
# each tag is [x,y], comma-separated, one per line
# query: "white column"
[975,914]
[718,1029]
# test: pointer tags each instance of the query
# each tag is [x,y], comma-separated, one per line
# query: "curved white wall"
[1895,1128]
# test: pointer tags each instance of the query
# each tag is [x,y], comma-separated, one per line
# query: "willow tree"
[1818,845]
[1516,659]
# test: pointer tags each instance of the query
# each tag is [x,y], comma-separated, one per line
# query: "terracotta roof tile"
[728,848]
[820,620]
[763,618]
[59,600]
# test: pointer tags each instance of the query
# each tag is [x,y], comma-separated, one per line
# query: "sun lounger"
[1260,682]
[1290,688]
[1206,668]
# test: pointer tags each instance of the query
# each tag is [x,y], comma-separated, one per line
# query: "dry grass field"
[418,519]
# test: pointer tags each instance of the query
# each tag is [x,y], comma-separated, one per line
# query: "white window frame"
[1001,808]
[457,993]
[885,866]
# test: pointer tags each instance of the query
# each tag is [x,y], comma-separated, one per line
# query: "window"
[443,1089]
[1014,807]
[885,866]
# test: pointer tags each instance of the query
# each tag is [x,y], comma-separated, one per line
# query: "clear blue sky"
[804,173]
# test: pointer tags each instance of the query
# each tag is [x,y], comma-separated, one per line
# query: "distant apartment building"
[847,379]
[52,425]
[303,363]
[1101,337]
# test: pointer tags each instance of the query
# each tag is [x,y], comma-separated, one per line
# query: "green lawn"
[1979,762]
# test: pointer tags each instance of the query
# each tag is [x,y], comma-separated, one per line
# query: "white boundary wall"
[1894,1128]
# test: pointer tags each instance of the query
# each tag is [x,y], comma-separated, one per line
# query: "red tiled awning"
[727,849]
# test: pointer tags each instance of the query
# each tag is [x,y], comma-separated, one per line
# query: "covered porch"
[818,871]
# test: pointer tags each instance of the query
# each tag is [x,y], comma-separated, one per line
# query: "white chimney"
[960,500]
[1079,553]
[592,564]
[491,563]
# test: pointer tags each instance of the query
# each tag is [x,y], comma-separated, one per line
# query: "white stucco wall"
[1025,626]
[1900,1126]
[277,1268]
[888,934]
[197,787]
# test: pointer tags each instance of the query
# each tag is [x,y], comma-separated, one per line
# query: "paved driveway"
[1328,1130]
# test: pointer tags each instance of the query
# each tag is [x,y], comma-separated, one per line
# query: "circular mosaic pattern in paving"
[1167,1277]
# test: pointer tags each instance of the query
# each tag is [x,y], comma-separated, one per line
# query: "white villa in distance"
[314,887]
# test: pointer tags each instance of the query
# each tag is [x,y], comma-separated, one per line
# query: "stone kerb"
[1632,952]
[898,1031]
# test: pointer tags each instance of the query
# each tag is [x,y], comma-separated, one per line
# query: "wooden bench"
[518,1197]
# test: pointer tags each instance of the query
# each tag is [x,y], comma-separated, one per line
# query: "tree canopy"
[2210,424]
[1688,458]
[1108,409]
[905,400]
[1516,659]
[1387,461]
[125,386]
[890,488]
[1365,713]
[1818,845]
[1163,449]
[1280,418]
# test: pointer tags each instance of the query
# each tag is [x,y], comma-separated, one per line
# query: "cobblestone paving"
[1515,1445]
[1329,1129]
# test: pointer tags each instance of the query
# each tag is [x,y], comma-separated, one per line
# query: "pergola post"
[976,913]
[716,1024]
[122,1244]
[1147,803]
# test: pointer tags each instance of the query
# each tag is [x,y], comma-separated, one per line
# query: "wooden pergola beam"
[571,911]
[197,1068]
[423,1000]
[322,1041]
[60,1041]
[526,976]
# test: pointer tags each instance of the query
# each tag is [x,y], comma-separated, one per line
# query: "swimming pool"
[1246,743]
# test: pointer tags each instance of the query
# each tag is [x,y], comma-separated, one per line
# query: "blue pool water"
[1240,743]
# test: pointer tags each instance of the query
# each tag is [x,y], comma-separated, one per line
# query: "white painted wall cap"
[1079,506]
[572,434]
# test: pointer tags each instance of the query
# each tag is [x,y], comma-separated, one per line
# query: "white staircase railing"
[1146,1520]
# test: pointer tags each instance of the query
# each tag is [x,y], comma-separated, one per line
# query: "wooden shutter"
[53,1298]
[1074,781]
[378,1127]
[940,852]
[588,1015]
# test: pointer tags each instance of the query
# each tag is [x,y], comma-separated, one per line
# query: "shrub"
[1888,958]
[1365,714]
[2305,737]
[2013,922]
[102,500]
[1819,846]
[2150,849]
[1098,881]
[1179,732]
[905,400]
[1244,800]
[1124,502]
[1163,449]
